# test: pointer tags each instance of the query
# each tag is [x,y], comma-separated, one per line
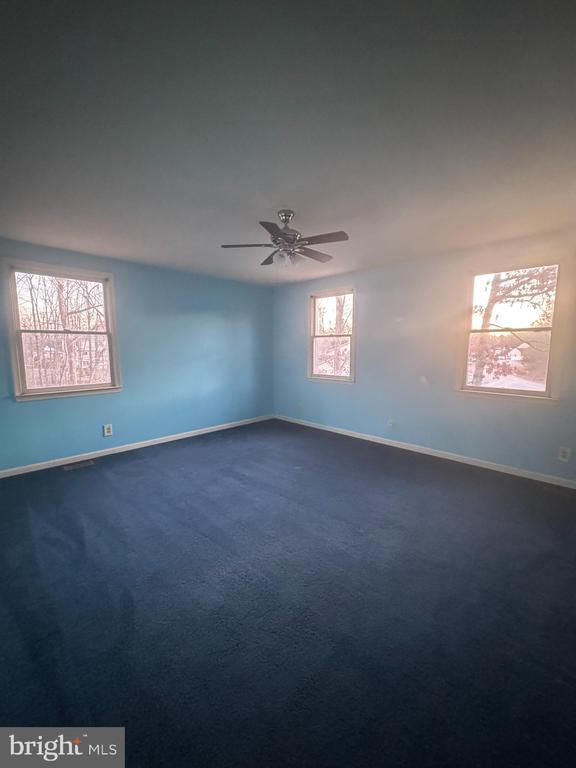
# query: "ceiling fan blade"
[312,254]
[249,245]
[271,228]
[328,237]
[269,259]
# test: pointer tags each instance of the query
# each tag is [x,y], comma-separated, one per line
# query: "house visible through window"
[332,328]
[62,332]
[511,331]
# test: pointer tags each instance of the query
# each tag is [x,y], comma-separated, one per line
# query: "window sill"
[66,393]
[516,395]
[341,379]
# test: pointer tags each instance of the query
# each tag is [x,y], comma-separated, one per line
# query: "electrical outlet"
[564,453]
[391,422]
[107,430]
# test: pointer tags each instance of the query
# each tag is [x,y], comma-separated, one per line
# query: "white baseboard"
[552,479]
[127,447]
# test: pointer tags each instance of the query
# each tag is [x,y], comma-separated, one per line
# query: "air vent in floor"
[78,465]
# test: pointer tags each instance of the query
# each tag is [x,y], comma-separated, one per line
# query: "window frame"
[312,335]
[21,391]
[549,393]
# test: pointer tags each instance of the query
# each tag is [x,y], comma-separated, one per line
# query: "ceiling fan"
[288,243]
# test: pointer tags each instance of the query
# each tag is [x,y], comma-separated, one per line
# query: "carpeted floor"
[279,596]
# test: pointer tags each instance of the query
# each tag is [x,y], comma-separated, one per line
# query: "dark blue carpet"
[279,596]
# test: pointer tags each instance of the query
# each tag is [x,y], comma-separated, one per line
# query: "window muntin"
[63,332]
[511,331]
[332,327]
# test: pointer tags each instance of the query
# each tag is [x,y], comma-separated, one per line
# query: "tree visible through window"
[63,338]
[509,342]
[332,329]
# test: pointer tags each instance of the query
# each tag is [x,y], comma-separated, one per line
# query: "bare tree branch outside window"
[509,342]
[63,331]
[333,318]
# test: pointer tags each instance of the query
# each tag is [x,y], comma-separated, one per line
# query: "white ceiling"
[155,132]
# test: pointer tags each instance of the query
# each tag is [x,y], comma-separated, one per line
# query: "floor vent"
[78,465]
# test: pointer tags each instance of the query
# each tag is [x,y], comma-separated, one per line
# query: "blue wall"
[197,351]
[410,324]
[194,351]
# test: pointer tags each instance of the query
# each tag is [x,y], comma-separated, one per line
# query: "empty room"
[288,384]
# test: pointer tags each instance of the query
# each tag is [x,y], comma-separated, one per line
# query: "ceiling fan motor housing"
[288,237]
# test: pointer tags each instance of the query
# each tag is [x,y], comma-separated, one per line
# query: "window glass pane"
[331,356]
[509,360]
[333,314]
[50,303]
[63,360]
[523,298]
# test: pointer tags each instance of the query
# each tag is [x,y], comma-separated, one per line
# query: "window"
[511,330]
[63,338]
[331,344]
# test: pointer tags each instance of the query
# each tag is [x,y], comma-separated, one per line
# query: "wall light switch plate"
[107,430]
[564,453]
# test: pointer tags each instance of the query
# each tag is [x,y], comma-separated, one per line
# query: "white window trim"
[549,395]
[21,392]
[311,320]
